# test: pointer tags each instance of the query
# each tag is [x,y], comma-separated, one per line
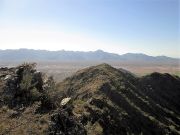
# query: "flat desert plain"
[62,69]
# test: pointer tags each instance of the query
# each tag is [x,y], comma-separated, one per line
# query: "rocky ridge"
[99,100]
[121,103]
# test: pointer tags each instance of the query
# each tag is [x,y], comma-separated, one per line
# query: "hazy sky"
[119,26]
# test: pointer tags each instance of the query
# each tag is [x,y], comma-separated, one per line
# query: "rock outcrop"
[121,103]
[23,85]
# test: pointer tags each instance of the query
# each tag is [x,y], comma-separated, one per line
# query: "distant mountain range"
[99,55]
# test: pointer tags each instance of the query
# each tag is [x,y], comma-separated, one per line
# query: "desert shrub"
[26,86]
[27,92]
[35,94]
[97,129]
[62,122]
[94,129]
[26,82]
[79,102]
[78,109]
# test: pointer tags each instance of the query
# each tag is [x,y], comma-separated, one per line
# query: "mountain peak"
[105,92]
[99,50]
[95,76]
[103,65]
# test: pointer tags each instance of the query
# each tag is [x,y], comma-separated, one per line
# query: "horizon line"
[90,51]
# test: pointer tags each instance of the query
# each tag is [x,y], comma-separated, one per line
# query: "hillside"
[121,103]
[99,100]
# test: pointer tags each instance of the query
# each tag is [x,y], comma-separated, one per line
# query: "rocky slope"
[98,100]
[120,103]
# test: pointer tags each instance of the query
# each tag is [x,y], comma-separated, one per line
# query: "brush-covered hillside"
[99,100]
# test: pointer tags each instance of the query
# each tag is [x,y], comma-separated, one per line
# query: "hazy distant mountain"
[99,55]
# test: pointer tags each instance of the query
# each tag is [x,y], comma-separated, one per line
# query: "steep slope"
[110,101]
[163,89]
[99,100]
[28,104]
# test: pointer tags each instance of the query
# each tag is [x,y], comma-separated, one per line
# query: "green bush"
[26,82]
[35,94]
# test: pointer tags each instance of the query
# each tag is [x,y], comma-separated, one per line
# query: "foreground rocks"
[112,101]
[64,123]
[24,85]
[99,100]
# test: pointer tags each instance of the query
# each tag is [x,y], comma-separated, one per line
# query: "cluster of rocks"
[64,123]
[95,101]
[24,85]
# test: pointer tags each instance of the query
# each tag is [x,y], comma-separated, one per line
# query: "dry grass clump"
[28,122]
[94,129]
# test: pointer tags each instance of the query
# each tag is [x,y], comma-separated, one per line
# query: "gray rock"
[7,77]
[65,101]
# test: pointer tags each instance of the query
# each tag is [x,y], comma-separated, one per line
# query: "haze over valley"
[89,67]
[62,64]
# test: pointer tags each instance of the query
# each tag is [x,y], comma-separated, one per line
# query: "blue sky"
[119,26]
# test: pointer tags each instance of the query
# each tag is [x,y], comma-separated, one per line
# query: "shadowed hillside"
[120,103]
[99,100]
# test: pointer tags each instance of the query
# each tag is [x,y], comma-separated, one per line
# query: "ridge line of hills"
[98,100]
[99,55]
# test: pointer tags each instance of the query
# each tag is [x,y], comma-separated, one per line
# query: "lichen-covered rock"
[64,123]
